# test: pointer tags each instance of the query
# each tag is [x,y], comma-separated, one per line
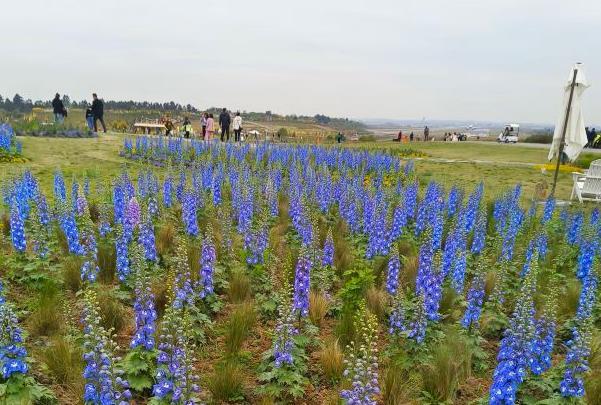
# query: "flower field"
[10,148]
[220,273]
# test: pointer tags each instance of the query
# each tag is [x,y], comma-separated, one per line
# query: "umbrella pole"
[563,132]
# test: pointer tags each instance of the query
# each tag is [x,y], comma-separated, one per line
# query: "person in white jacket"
[237,127]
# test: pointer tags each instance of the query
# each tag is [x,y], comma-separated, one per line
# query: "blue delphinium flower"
[189,208]
[147,240]
[168,192]
[302,283]
[516,346]
[153,206]
[588,296]
[89,268]
[549,208]
[327,258]
[453,201]
[574,228]
[588,249]
[121,248]
[144,308]
[60,192]
[176,381]
[17,229]
[577,364]
[255,243]
[473,207]
[419,322]
[479,240]
[361,368]
[104,384]
[397,321]
[475,299]
[12,352]
[283,343]
[394,268]
[182,288]
[542,345]
[69,227]
[459,268]
[208,257]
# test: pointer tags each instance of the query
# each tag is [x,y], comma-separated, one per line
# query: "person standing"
[224,124]
[426,134]
[237,127]
[203,124]
[58,108]
[89,118]
[210,127]
[411,137]
[187,128]
[98,112]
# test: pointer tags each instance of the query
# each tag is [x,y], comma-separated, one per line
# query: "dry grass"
[64,362]
[375,299]
[318,307]
[165,237]
[46,319]
[240,323]
[226,383]
[72,273]
[331,359]
[239,289]
[112,312]
[107,262]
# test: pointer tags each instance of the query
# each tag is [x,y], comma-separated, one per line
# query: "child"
[90,118]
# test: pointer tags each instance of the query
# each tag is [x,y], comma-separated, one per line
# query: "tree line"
[18,104]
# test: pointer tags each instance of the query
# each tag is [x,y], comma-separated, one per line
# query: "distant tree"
[17,100]
[322,119]
[1,99]
[282,133]
[66,100]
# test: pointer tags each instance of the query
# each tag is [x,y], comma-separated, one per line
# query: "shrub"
[226,383]
[331,360]
[239,287]
[539,138]
[318,307]
[239,326]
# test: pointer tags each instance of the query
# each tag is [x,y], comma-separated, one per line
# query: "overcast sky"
[502,60]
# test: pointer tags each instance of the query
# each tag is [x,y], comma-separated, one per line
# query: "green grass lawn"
[99,159]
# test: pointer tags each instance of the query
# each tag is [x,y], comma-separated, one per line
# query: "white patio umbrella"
[575,133]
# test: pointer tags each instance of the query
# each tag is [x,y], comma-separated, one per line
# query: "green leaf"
[139,382]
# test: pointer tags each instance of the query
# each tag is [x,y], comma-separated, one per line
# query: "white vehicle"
[509,134]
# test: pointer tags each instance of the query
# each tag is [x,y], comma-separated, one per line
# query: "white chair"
[586,187]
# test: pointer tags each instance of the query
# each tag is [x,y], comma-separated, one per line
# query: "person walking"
[210,127]
[203,124]
[58,108]
[237,127]
[426,134]
[98,112]
[224,124]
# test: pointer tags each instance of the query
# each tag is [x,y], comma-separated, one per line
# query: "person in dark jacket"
[89,118]
[224,124]
[58,108]
[98,112]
